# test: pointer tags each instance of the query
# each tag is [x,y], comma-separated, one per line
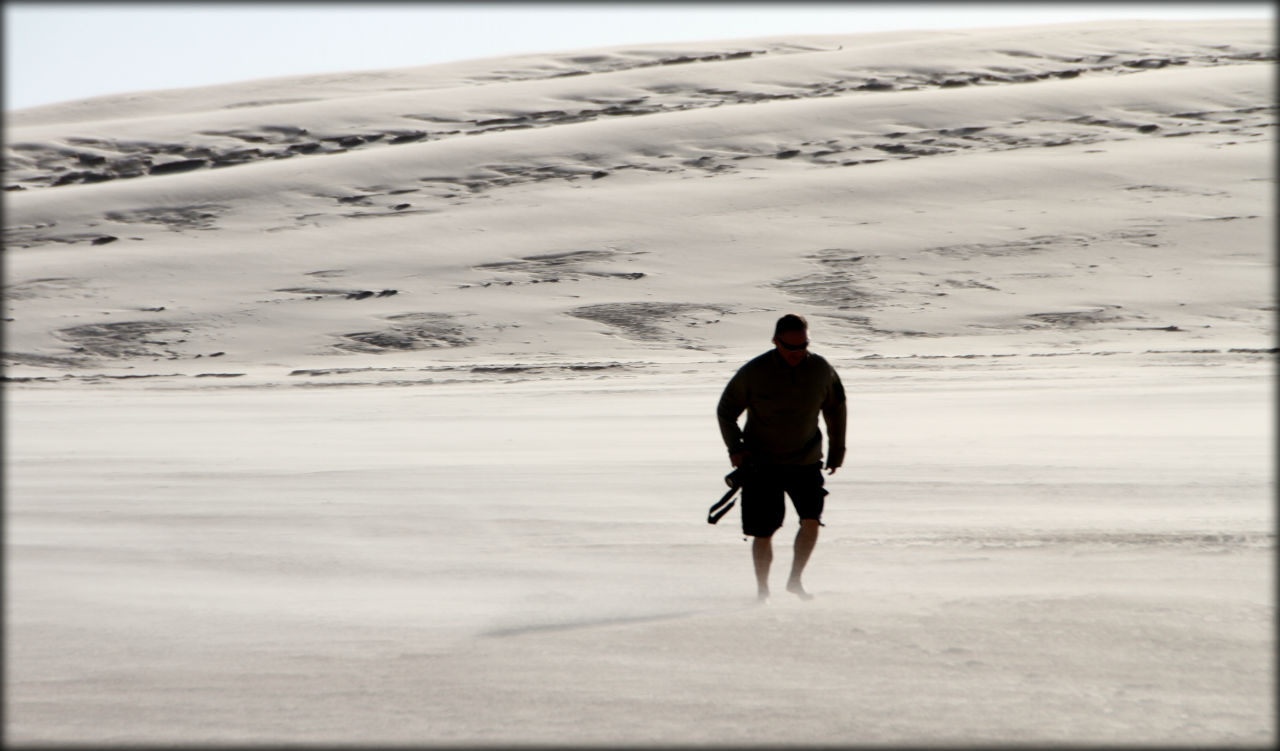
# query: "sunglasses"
[793,347]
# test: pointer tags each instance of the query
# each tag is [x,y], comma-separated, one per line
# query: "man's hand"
[832,470]
[738,459]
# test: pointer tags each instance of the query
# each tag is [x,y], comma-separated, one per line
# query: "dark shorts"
[763,508]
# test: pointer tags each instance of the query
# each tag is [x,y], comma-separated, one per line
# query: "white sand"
[244,507]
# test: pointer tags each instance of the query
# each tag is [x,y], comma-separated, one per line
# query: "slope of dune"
[1086,185]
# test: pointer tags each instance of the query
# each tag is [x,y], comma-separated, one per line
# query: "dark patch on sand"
[968,284]
[496,370]
[409,331]
[651,321]
[121,339]
[174,218]
[403,210]
[544,261]
[32,236]
[42,361]
[570,265]
[269,102]
[176,166]
[317,293]
[1037,244]
[836,282]
[54,286]
[1077,318]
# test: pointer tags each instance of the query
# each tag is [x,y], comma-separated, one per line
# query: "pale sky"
[59,51]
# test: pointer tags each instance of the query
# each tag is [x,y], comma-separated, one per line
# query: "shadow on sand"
[582,623]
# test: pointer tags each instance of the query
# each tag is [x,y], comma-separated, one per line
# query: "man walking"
[783,391]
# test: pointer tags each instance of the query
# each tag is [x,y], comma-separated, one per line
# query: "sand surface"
[379,408]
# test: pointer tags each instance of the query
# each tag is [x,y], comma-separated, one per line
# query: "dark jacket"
[782,404]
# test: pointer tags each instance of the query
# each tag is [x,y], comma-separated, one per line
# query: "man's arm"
[835,415]
[732,403]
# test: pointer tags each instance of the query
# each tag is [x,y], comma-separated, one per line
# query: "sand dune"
[617,185]
[377,407]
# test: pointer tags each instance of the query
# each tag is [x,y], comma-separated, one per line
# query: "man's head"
[791,338]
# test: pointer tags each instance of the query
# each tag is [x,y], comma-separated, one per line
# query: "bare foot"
[795,588]
[762,597]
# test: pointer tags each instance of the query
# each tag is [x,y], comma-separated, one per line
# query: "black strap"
[722,506]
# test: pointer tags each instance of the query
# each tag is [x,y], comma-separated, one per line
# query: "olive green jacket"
[782,405]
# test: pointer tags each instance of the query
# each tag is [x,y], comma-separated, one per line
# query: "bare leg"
[762,556]
[806,538]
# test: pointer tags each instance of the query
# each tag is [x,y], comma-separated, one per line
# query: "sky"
[61,51]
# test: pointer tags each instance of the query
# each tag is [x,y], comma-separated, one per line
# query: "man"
[783,391]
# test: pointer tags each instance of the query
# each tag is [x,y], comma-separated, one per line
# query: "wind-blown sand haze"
[379,408]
